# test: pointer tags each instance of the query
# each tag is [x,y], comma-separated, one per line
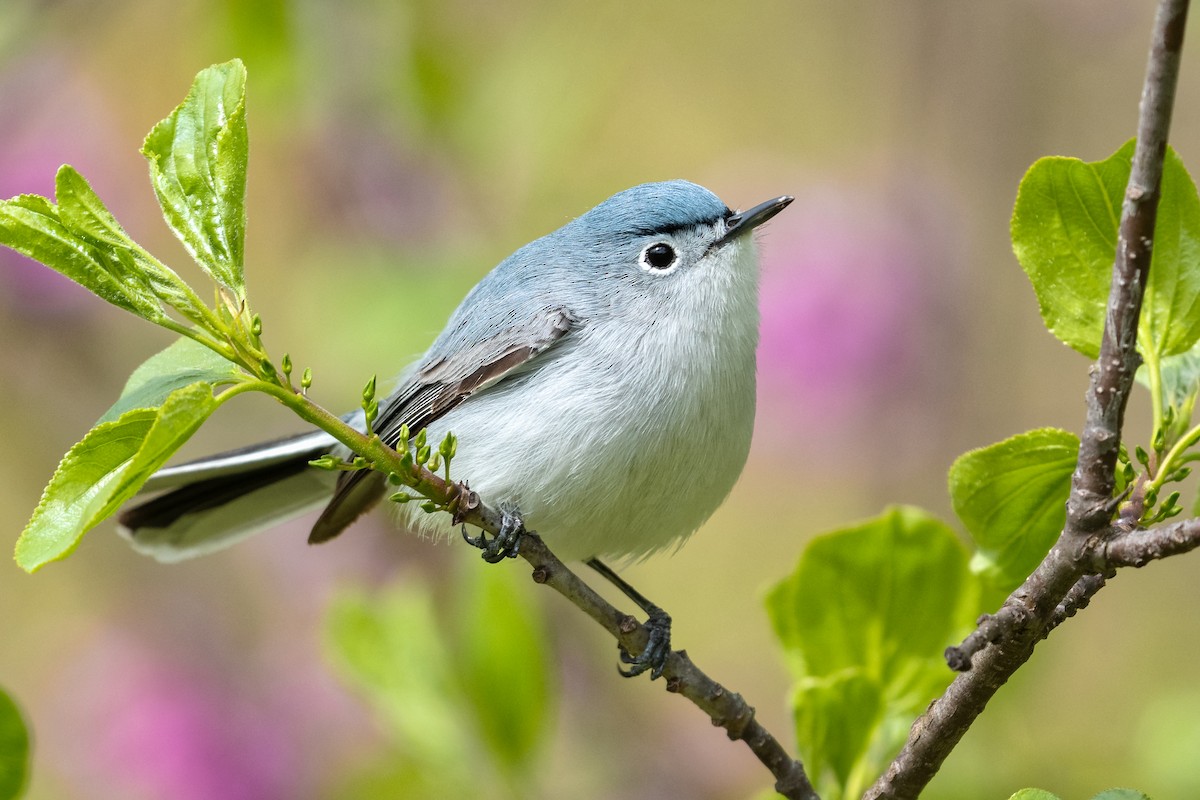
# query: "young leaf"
[389,648]
[31,225]
[1180,377]
[1064,233]
[85,214]
[105,469]
[14,749]
[1033,794]
[866,616]
[184,362]
[503,664]
[197,161]
[836,717]
[884,595]
[1011,497]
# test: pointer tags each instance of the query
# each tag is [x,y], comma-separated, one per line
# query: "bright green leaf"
[503,663]
[83,211]
[31,225]
[14,749]
[835,718]
[1034,794]
[184,362]
[105,469]
[1011,496]
[1180,378]
[1170,322]
[85,214]
[1064,233]
[865,618]
[198,161]
[389,648]
[885,595]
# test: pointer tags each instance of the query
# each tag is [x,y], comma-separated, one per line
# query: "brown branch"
[725,709]
[1139,547]
[1030,611]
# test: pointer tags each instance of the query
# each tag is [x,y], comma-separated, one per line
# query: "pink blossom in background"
[61,119]
[842,296]
[176,731]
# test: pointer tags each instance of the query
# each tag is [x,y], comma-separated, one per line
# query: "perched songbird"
[601,380]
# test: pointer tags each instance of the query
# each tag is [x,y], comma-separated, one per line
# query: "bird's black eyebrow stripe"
[668,229]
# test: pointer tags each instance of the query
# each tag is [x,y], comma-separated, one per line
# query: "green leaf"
[1064,233]
[198,159]
[184,362]
[1034,794]
[1180,380]
[1011,496]
[865,618]
[389,648]
[31,225]
[835,718]
[14,749]
[884,595]
[85,214]
[1121,794]
[105,469]
[503,663]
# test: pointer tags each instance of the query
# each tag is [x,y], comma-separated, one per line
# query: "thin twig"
[1140,547]
[1030,610]
[726,709]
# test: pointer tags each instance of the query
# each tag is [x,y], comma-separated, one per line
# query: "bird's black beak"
[745,221]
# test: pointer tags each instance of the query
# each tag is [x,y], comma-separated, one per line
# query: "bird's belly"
[621,474]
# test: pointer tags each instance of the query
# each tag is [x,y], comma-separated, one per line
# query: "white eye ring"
[659,258]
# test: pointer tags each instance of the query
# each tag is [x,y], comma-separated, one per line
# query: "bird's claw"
[654,655]
[507,541]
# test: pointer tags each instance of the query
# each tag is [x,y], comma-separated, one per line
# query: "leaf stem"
[1154,368]
[1177,453]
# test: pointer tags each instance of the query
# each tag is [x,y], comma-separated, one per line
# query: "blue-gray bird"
[601,380]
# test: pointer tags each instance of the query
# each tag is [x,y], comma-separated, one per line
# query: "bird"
[600,381]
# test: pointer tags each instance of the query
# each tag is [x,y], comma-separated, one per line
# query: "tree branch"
[1029,613]
[726,709]
[1139,547]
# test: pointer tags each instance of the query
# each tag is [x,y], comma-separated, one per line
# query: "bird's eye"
[658,256]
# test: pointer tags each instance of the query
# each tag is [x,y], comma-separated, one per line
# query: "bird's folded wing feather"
[436,387]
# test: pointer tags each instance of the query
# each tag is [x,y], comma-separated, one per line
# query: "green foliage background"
[401,149]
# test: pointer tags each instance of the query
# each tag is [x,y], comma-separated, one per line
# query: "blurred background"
[398,151]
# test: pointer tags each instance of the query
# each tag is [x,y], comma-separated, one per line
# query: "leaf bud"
[326,462]
[449,446]
[1142,457]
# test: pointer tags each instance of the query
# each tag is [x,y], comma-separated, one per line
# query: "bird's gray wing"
[439,385]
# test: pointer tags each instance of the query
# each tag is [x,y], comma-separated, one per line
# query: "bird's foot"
[507,541]
[658,646]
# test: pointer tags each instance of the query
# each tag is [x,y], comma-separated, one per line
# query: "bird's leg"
[658,625]
[507,541]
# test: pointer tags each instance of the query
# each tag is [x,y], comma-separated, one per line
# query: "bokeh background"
[398,150]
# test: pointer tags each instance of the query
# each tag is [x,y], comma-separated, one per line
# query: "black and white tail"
[210,503]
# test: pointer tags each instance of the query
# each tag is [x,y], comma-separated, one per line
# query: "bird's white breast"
[620,445]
